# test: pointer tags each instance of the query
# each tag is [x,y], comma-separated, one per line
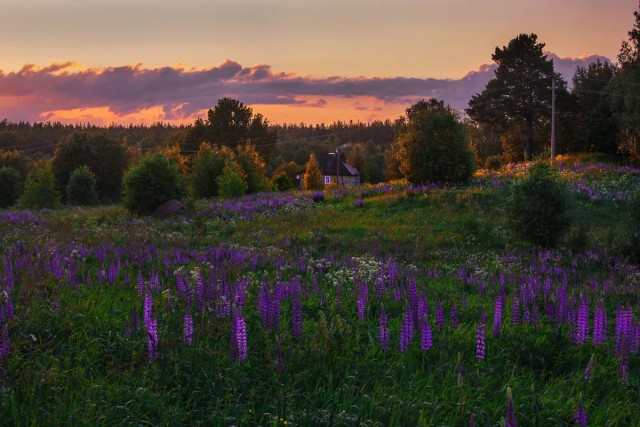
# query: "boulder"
[170,208]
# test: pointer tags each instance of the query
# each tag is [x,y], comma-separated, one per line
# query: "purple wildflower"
[510,418]
[582,332]
[453,315]
[148,309]
[140,283]
[296,317]
[599,325]
[515,311]
[188,329]
[406,331]
[580,416]
[152,339]
[384,330]
[497,317]
[480,342]
[426,340]
[241,337]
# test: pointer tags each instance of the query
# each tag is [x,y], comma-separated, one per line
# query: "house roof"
[328,165]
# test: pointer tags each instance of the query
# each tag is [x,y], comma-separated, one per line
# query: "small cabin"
[337,171]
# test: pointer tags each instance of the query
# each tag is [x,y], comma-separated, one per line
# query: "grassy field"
[387,305]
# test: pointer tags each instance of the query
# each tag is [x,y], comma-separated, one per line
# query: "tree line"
[508,121]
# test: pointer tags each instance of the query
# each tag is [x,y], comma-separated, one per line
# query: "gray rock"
[170,208]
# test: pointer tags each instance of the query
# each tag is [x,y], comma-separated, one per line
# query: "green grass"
[74,364]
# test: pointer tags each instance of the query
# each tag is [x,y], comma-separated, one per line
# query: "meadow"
[376,306]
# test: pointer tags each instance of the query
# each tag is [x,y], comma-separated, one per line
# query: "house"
[338,172]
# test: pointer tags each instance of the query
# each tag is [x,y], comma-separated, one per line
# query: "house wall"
[348,181]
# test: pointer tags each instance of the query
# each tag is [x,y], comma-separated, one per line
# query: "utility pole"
[553,119]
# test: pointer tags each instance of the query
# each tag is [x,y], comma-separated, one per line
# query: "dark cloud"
[182,93]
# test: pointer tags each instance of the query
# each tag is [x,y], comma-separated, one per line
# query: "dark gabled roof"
[328,166]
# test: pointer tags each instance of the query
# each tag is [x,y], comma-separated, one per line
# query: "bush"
[493,162]
[81,189]
[150,183]
[430,146]
[232,182]
[40,189]
[207,168]
[537,208]
[281,181]
[317,196]
[10,186]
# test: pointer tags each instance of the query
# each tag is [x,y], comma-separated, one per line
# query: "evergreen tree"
[313,178]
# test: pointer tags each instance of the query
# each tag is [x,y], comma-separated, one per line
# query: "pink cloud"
[179,94]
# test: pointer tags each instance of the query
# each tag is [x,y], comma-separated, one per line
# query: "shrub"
[150,183]
[40,189]
[10,186]
[81,189]
[207,168]
[312,175]
[281,181]
[232,182]
[537,208]
[493,162]
[430,146]
[317,196]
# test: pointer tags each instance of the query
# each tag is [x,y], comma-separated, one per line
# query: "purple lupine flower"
[426,340]
[580,416]
[582,331]
[239,338]
[515,311]
[148,309]
[624,331]
[588,371]
[296,317]
[188,329]
[480,342]
[453,315]
[384,330]
[561,312]
[439,315]
[599,325]
[152,339]
[497,317]
[363,296]
[140,283]
[510,418]
[406,331]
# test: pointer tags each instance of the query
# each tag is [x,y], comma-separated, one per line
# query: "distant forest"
[293,142]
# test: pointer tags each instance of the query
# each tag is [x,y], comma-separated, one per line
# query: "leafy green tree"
[253,168]
[207,167]
[596,129]
[230,123]
[537,208]
[16,160]
[232,182]
[281,181]
[432,146]
[313,178]
[10,186]
[624,92]
[81,189]
[150,183]
[105,157]
[520,93]
[40,189]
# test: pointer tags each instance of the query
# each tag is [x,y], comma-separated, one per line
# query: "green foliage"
[230,123]
[207,168]
[81,189]
[16,160]
[624,93]
[232,182]
[253,168]
[519,97]
[432,145]
[313,179]
[10,186]
[281,181]
[40,189]
[105,157]
[537,209]
[595,127]
[152,182]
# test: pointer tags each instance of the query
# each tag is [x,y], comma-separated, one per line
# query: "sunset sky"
[139,61]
